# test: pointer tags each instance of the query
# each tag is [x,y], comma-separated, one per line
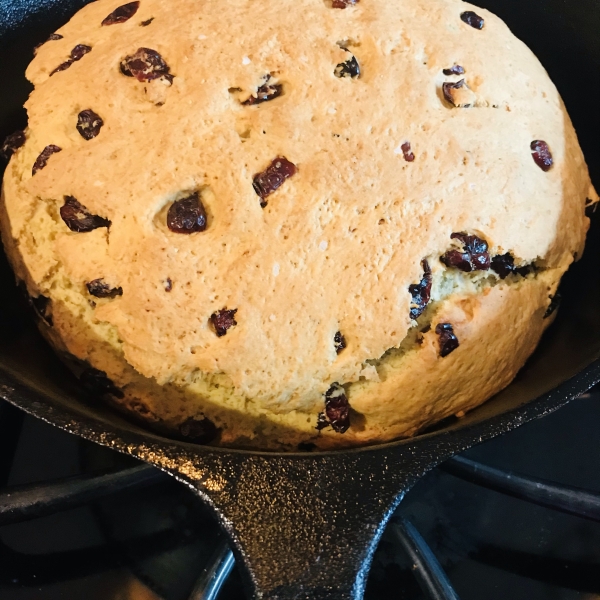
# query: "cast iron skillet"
[306,525]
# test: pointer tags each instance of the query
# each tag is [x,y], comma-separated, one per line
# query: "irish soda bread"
[314,222]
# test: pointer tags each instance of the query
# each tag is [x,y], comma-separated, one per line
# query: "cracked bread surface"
[333,249]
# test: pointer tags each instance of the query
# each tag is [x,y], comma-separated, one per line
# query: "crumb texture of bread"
[230,199]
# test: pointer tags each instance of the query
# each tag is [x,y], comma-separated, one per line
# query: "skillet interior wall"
[564,37]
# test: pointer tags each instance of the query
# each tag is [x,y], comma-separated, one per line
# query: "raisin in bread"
[309,222]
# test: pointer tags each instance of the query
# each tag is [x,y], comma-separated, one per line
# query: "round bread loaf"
[328,222]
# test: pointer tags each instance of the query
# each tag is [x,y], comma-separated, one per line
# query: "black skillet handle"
[306,528]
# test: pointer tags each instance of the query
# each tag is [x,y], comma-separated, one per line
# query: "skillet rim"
[92,428]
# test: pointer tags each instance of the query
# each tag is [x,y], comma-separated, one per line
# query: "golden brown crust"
[336,247]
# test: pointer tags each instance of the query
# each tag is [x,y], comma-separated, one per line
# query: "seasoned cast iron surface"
[490,545]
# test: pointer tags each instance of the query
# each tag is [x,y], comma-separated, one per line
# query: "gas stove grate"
[26,502]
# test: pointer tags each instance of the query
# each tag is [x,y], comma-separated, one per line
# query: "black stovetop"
[153,543]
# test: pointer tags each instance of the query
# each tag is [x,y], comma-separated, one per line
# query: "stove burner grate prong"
[430,575]
[214,574]
[568,499]
[33,500]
